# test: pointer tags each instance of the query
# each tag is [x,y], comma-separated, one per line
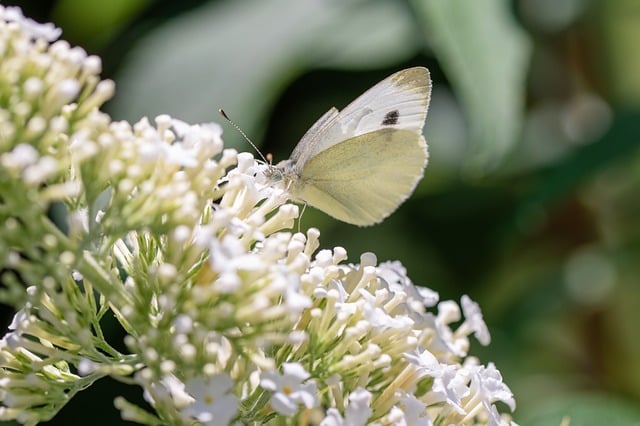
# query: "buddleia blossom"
[230,317]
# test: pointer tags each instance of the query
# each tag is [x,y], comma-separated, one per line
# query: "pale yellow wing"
[363,179]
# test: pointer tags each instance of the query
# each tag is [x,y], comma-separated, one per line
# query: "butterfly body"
[359,164]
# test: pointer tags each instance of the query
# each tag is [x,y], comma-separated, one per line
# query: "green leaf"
[95,22]
[485,55]
[240,55]
[554,182]
[585,410]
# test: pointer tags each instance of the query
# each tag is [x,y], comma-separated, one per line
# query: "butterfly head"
[284,172]
[273,174]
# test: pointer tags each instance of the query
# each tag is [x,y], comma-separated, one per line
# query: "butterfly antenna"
[224,114]
[304,207]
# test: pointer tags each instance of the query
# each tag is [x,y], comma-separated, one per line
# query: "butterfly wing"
[317,128]
[363,179]
[400,101]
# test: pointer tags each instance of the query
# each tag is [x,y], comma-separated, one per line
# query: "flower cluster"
[230,317]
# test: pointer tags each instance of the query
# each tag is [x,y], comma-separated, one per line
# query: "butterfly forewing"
[399,101]
[314,130]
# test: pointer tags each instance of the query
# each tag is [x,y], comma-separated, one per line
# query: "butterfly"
[359,164]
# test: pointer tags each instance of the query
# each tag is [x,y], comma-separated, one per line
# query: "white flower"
[20,320]
[486,382]
[357,413]
[415,411]
[170,389]
[456,344]
[396,277]
[86,367]
[333,418]
[290,389]
[359,409]
[448,384]
[47,31]
[474,320]
[213,404]
[22,156]
[296,301]
[229,255]
[379,318]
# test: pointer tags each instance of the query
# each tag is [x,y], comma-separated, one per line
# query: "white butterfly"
[359,164]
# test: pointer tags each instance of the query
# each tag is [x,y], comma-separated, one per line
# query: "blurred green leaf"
[555,182]
[586,410]
[619,31]
[95,22]
[486,56]
[240,55]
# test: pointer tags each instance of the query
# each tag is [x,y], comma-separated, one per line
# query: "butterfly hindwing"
[355,182]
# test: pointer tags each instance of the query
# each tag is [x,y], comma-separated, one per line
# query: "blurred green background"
[530,203]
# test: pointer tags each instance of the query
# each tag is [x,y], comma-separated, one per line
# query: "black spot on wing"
[391,118]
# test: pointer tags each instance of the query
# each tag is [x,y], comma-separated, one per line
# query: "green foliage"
[485,55]
[586,410]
